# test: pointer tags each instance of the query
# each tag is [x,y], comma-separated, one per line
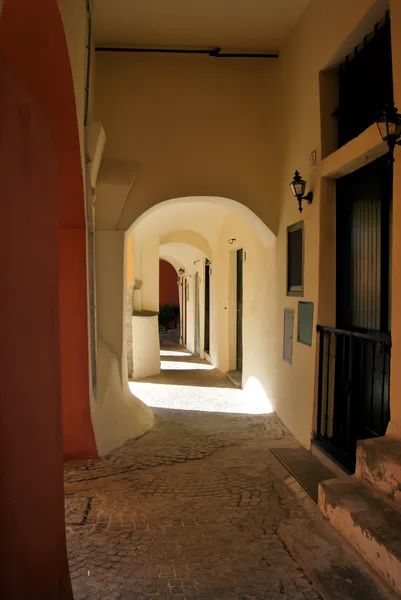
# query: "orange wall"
[168,288]
[32,541]
[45,69]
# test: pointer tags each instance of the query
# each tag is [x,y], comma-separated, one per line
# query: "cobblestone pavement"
[188,511]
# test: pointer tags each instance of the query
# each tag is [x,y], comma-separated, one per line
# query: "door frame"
[206,302]
[239,354]
[197,315]
[232,309]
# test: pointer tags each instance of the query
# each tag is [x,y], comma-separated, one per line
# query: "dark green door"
[240,260]
[207,308]
[197,315]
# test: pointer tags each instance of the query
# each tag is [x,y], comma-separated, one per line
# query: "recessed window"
[295,259]
[365,83]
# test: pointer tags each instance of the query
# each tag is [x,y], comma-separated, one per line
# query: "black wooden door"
[207,308]
[363,247]
[361,392]
[240,259]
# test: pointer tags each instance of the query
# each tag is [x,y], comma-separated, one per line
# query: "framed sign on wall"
[305,323]
[295,259]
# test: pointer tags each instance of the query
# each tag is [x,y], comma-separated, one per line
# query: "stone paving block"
[188,512]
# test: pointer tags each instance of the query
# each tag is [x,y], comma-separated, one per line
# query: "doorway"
[207,307]
[197,314]
[354,364]
[240,260]
[184,304]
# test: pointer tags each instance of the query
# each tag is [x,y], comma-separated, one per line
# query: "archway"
[169,301]
[218,225]
[205,223]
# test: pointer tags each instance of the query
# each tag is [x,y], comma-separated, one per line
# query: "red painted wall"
[40,59]
[32,536]
[168,288]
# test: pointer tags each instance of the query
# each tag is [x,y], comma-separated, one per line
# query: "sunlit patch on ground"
[174,353]
[194,384]
[169,365]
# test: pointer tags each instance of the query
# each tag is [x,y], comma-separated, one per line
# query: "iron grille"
[354,390]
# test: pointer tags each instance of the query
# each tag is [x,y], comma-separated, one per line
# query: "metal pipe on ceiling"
[214,52]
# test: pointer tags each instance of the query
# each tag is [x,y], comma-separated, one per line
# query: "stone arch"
[191,238]
[173,261]
[165,221]
[254,221]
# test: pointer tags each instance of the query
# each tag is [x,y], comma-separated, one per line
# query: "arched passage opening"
[169,301]
[197,232]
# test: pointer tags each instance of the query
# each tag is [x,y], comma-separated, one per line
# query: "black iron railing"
[354,390]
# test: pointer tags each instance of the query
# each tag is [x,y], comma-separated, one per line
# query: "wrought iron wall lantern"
[389,126]
[298,186]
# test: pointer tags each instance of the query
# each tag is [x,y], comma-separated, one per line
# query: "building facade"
[114,160]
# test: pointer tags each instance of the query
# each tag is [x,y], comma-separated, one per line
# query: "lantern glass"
[389,124]
[382,125]
[298,187]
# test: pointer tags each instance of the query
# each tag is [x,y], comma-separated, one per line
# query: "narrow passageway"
[190,510]
[188,382]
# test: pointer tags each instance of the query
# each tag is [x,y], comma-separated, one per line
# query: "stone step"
[336,570]
[368,521]
[379,462]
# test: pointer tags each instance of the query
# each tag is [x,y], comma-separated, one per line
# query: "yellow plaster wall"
[195,126]
[259,335]
[324,34]
[239,129]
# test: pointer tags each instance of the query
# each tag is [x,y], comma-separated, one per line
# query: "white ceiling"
[203,217]
[230,24]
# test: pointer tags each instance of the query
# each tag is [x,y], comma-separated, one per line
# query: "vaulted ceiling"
[229,24]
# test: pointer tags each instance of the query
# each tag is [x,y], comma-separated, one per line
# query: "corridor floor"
[190,510]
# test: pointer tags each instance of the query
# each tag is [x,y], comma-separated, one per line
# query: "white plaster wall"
[146,346]
[259,325]
[145,329]
[117,415]
[149,257]
[193,260]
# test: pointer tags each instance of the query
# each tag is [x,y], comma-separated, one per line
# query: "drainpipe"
[89,200]
[88,60]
